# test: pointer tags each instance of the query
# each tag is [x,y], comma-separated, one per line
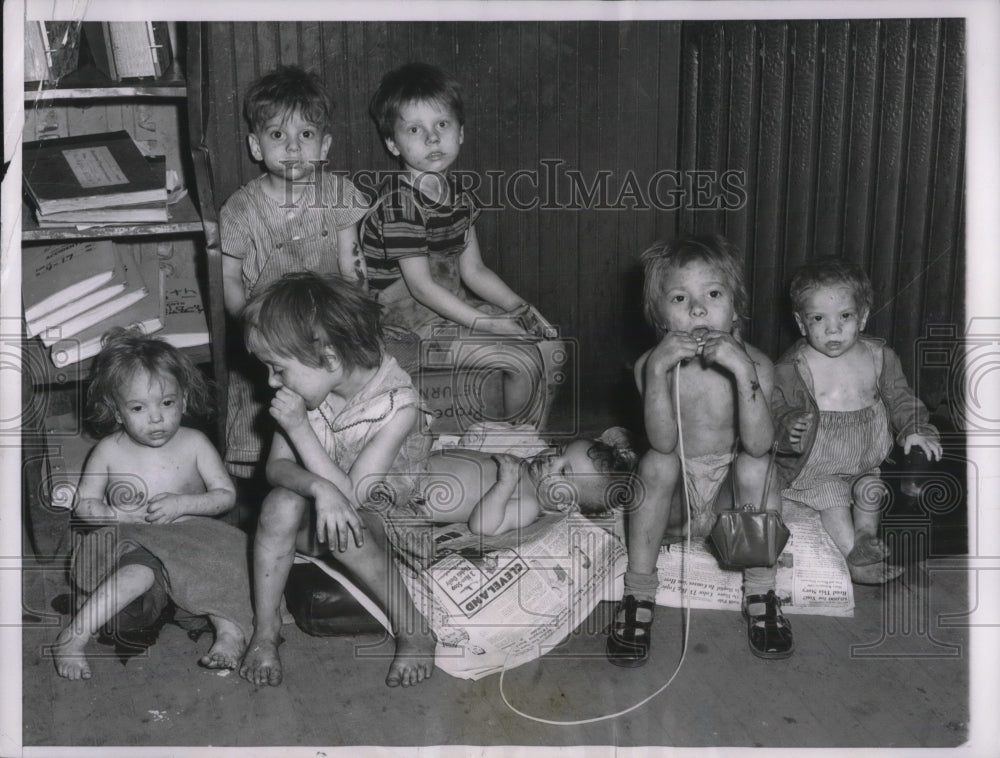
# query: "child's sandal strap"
[628,643]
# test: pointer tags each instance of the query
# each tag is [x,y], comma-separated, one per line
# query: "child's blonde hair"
[302,314]
[830,272]
[126,352]
[714,250]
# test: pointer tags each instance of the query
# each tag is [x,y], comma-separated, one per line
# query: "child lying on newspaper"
[498,492]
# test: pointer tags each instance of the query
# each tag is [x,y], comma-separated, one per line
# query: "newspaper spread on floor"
[503,601]
[812,574]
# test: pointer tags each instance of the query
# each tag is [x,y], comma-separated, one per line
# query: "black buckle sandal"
[769,635]
[628,643]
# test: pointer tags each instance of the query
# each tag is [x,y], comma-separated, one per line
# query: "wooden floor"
[892,676]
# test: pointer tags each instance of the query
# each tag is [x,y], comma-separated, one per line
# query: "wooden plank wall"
[839,137]
[850,136]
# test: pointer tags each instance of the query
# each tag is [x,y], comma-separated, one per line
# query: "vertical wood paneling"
[831,159]
[802,139]
[768,197]
[892,107]
[848,136]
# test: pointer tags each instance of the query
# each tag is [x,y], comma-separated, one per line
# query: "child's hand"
[672,348]
[336,519]
[798,428]
[932,449]
[508,467]
[164,508]
[723,349]
[288,409]
[501,325]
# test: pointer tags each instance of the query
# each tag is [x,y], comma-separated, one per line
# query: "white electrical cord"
[687,608]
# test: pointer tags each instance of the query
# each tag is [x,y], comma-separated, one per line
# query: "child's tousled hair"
[713,249]
[613,454]
[413,82]
[124,353]
[288,90]
[302,314]
[826,272]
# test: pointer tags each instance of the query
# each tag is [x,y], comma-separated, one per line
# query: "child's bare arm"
[490,513]
[483,280]
[753,374]
[89,503]
[349,258]
[654,376]
[234,297]
[416,273]
[219,495]
[336,518]
[289,410]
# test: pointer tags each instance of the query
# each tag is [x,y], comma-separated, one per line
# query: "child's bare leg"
[869,494]
[750,474]
[281,517]
[113,594]
[415,643]
[840,526]
[656,515]
[648,520]
[228,648]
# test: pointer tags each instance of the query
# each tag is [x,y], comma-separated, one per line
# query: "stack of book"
[94,179]
[74,293]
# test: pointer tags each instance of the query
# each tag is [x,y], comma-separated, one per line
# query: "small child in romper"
[719,426]
[157,481]
[838,396]
[296,216]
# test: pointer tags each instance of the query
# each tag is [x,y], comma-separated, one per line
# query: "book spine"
[66,295]
[72,309]
[93,316]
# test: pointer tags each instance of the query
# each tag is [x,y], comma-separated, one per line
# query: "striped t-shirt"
[404,222]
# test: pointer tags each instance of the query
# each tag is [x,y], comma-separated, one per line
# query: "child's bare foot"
[68,656]
[414,660]
[227,650]
[874,573]
[261,663]
[868,549]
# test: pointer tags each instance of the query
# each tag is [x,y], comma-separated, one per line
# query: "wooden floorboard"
[901,688]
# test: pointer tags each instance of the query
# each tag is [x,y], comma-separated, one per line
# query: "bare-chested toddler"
[155,481]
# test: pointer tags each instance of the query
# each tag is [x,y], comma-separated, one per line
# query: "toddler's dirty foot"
[874,573]
[867,550]
[68,656]
[261,664]
[414,660]
[227,649]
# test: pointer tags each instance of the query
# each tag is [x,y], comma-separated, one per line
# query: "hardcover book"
[129,49]
[89,171]
[139,213]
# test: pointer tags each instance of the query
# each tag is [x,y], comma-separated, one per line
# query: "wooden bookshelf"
[183,219]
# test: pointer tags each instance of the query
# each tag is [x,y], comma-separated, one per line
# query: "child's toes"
[874,573]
